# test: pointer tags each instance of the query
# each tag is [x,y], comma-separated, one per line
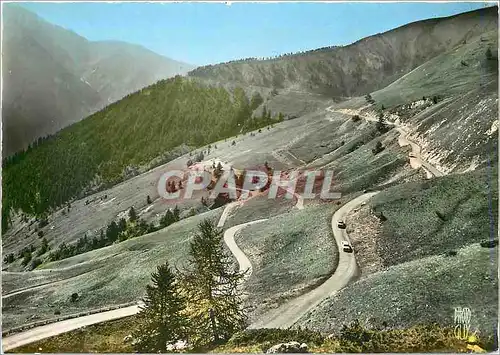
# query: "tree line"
[114,232]
[95,152]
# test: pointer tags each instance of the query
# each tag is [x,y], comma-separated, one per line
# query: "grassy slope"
[108,337]
[457,131]
[290,253]
[420,283]
[354,165]
[445,75]
[413,229]
[419,291]
[119,279]
[105,337]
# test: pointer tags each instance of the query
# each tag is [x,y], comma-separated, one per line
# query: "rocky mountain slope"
[53,77]
[449,105]
[366,65]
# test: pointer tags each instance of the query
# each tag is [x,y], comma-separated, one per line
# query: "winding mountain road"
[243,261]
[283,317]
[289,313]
[416,160]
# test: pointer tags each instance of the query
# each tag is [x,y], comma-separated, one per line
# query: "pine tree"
[214,301]
[161,319]
[132,214]
[381,125]
[112,232]
[176,214]
[167,219]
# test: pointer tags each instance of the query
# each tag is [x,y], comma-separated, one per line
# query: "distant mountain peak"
[54,77]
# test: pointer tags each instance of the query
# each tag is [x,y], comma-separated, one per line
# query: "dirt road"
[416,160]
[45,331]
[284,317]
[347,269]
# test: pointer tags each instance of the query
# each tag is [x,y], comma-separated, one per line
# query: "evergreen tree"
[132,214]
[161,319]
[112,233]
[148,200]
[381,125]
[214,302]
[122,225]
[167,219]
[176,214]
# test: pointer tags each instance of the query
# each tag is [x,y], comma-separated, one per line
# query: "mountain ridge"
[71,78]
[368,64]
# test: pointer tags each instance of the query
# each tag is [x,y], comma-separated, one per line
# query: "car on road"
[346,246]
[412,155]
[341,225]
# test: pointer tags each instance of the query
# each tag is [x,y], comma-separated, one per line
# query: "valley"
[411,142]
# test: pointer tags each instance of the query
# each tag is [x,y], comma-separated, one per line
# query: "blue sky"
[208,33]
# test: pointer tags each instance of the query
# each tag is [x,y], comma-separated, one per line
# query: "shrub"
[382,127]
[43,248]
[40,234]
[74,297]
[489,243]
[35,263]
[274,336]
[489,54]
[43,222]
[26,258]
[378,148]
[57,312]
[356,118]
[354,147]
[9,258]
[148,200]
[382,217]
[451,253]
[441,216]
[233,143]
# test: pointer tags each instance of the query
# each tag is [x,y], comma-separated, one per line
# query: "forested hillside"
[54,77]
[132,131]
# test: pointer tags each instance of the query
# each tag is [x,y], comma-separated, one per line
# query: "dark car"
[346,246]
[341,225]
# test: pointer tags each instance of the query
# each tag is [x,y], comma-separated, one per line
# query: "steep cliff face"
[369,64]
